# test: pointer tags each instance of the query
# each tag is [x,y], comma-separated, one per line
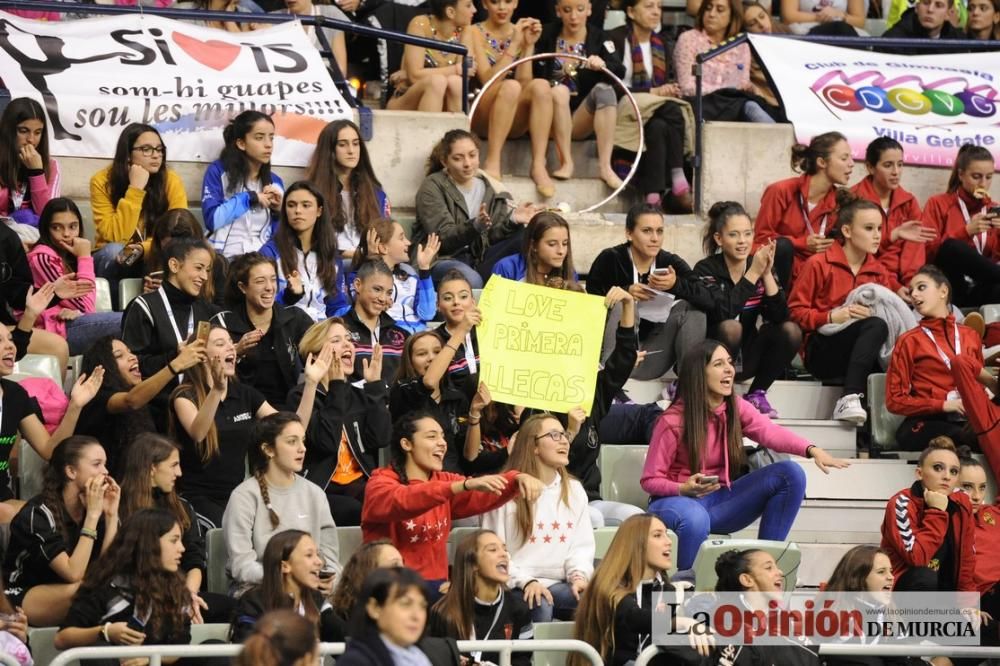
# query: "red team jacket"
[417,516]
[782,212]
[987,541]
[913,533]
[918,380]
[903,258]
[824,283]
[944,213]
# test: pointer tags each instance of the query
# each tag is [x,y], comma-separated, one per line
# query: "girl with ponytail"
[280,638]
[797,212]
[274,499]
[967,222]
[744,289]
[293,576]
[818,298]
[929,529]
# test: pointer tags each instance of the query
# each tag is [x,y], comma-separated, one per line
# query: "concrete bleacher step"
[837,437]
[579,193]
[517,158]
[799,399]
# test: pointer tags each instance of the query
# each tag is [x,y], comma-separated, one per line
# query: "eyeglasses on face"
[554,435]
[149,150]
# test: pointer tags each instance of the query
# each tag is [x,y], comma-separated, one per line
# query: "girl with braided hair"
[276,499]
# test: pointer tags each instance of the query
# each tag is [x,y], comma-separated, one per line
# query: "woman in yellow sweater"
[137,187]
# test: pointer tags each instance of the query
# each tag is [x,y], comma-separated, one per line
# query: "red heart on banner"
[212,53]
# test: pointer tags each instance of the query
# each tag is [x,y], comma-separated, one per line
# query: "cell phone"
[204,328]
[994,210]
[661,271]
[155,275]
[326,574]
[709,480]
[135,624]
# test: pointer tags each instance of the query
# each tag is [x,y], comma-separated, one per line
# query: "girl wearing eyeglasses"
[128,195]
[550,539]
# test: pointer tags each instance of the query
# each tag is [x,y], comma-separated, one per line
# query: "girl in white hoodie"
[551,540]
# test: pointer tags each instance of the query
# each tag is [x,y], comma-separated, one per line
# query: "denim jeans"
[83,331]
[773,493]
[106,266]
[563,604]
[471,274]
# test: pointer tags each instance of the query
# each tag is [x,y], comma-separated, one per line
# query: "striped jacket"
[913,534]
[47,266]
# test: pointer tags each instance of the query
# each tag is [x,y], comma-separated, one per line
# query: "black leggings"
[765,354]
[859,343]
[959,260]
[346,502]
[664,136]
[916,432]
[784,258]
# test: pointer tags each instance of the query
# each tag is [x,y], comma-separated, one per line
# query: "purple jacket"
[667,465]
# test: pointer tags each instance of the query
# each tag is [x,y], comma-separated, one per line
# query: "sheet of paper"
[656,309]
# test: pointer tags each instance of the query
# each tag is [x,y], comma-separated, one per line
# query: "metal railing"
[155,653]
[844,650]
[249,17]
[857,43]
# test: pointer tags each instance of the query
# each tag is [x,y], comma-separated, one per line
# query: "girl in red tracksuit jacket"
[904,236]
[968,233]
[929,530]
[818,297]
[798,212]
[919,384]
[987,520]
[413,503]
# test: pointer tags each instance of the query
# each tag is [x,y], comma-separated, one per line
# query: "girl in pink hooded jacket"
[694,469]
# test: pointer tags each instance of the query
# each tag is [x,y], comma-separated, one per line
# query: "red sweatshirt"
[825,282]
[912,534]
[918,380]
[944,213]
[903,258]
[987,541]
[417,516]
[783,213]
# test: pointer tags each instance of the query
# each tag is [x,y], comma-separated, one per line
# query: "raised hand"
[318,366]
[68,286]
[295,283]
[189,355]
[371,242]
[217,369]
[480,400]
[80,247]
[112,498]
[85,388]
[427,252]
[373,370]
[37,300]
[664,281]
[248,341]
[914,231]
[473,317]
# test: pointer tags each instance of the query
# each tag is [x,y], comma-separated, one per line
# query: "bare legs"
[427,94]
[510,110]
[591,117]
[47,605]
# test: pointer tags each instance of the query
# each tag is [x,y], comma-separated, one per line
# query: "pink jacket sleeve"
[767,433]
[47,266]
[43,190]
[662,450]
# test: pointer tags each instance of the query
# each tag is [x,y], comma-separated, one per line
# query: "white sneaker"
[849,409]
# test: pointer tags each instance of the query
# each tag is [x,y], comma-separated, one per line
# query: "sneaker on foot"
[849,409]
[975,321]
[758,399]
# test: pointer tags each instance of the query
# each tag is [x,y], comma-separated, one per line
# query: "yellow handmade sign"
[539,347]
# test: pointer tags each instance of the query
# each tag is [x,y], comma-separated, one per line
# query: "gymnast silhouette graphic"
[36,71]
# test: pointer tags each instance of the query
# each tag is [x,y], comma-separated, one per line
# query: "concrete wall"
[740,160]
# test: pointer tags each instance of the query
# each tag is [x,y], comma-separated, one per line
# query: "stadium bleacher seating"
[786,554]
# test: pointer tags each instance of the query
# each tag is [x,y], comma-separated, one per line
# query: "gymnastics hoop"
[635,106]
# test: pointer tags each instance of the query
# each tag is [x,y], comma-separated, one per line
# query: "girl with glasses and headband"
[550,539]
[127,197]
